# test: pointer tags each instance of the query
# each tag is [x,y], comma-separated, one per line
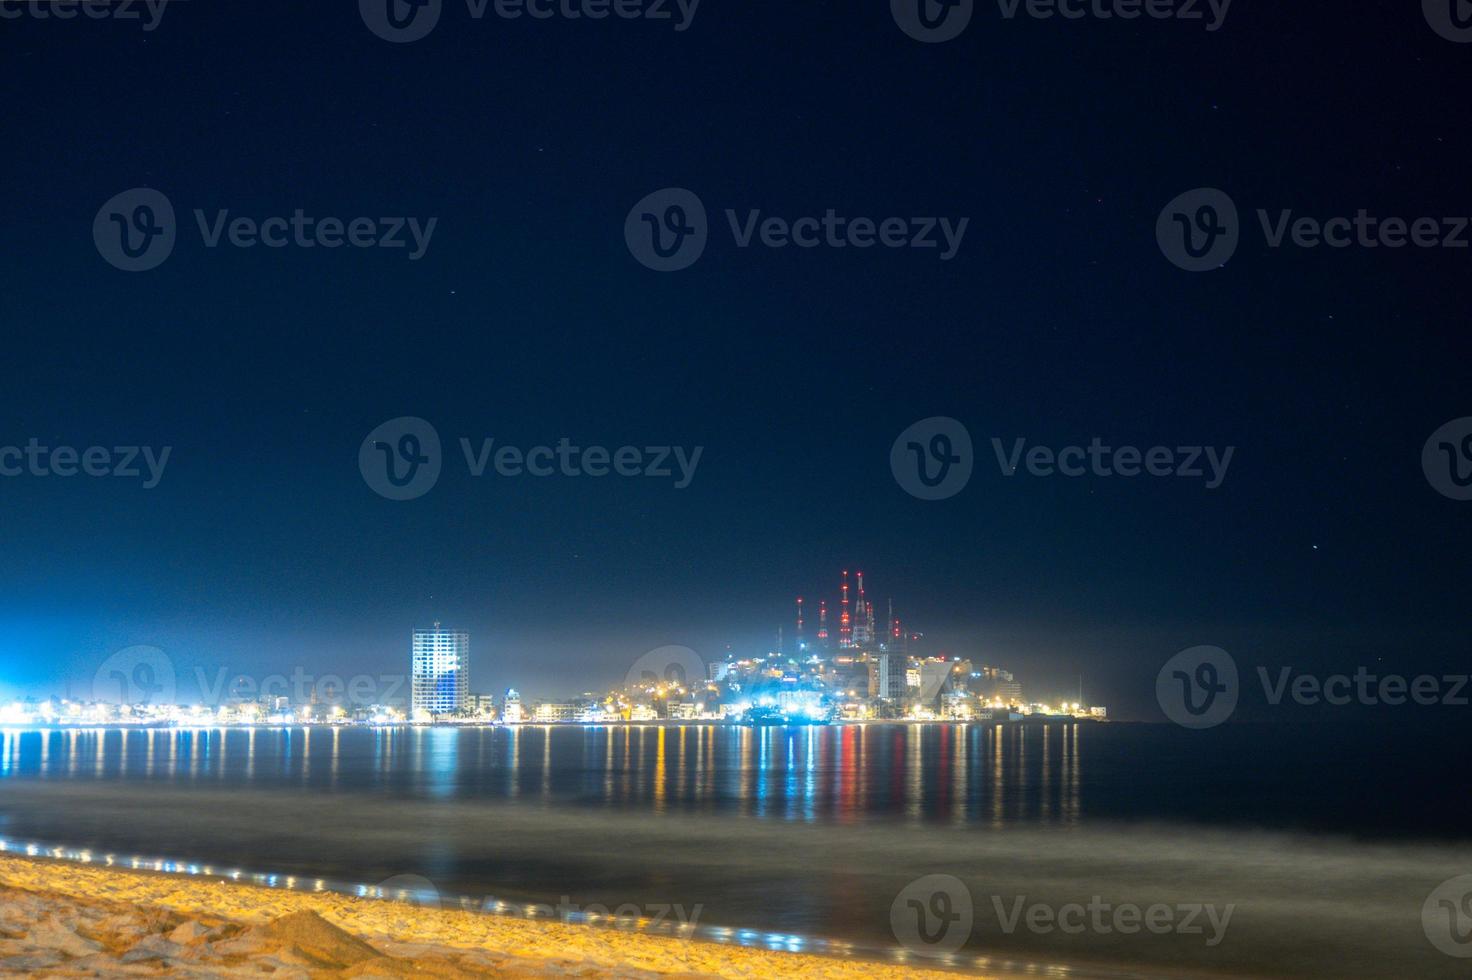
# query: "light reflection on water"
[935,773]
[808,832]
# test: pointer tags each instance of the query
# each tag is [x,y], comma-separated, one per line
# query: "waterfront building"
[553,711]
[891,677]
[958,706]
[440,671]
[1009,692]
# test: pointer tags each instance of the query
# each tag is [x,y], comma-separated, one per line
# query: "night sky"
[528,320]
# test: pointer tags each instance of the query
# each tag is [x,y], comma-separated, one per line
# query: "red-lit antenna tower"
[845,625]
[863,631]
[823,621]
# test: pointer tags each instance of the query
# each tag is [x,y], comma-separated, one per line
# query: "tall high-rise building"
[892,668]
[440,670]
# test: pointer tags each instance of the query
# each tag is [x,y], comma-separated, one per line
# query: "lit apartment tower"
[892,669]
[440,668]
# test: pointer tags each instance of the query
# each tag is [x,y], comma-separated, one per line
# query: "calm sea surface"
[1330,836]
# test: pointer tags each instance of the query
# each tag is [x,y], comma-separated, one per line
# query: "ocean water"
[1300,851]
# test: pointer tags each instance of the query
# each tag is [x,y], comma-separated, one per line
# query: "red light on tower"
[845,628]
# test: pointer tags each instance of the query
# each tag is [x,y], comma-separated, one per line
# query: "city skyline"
[1053,676]
[437,680]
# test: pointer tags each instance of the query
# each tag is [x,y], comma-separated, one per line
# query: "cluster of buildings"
[851,669]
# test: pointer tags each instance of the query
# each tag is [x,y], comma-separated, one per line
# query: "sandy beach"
[61,918]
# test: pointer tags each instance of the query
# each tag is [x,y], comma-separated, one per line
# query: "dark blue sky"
[528,321]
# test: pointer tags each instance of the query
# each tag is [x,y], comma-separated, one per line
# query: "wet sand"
[60,918]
